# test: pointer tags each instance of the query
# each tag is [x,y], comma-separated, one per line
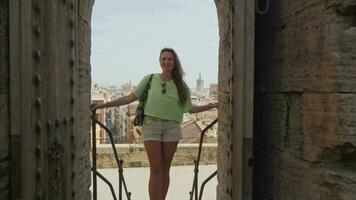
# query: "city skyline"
[194,85]
[127,37]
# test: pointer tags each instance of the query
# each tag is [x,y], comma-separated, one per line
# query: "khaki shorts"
[156,129]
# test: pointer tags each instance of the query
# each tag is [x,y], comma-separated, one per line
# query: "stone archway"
[231,53]
[236,90]
[234,63]
[49,46]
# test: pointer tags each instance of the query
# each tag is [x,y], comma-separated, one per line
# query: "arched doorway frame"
[236,89]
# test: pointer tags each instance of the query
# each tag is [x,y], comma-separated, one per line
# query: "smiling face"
[167,61]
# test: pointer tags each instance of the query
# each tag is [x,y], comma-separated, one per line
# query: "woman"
[168,98]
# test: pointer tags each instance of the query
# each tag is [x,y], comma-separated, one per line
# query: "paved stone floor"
[137,182]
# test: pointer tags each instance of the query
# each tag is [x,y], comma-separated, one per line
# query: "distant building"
[123,135]
[200,84]
[113,123]
[98,97]
[213,90]
[127,88]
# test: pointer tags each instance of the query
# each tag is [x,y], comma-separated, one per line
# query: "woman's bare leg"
[168,150]
[154,154]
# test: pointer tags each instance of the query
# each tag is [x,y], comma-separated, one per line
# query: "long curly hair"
[177,75]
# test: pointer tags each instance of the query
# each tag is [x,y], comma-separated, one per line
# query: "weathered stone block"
[320,123]
[299,56]
[329,121]
[279,123]
[305,101]
[347,119]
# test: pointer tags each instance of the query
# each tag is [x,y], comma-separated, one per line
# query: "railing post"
[120,179]
[119,162]
[194,191]
[203,184]
[93,125]
[196,171]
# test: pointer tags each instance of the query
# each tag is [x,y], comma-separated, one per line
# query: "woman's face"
[167,61]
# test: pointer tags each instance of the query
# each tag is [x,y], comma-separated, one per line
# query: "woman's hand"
[213,105]
[197,109]
[117,102]
[94,106]
[98,106]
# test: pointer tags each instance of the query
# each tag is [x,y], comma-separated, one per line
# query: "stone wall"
[82,179]
[305,101]
[4,100]
[136,156]
[225,15]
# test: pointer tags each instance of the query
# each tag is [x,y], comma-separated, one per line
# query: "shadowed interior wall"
[4,100]
[305,101]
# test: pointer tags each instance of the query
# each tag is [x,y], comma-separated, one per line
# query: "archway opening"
[126,40]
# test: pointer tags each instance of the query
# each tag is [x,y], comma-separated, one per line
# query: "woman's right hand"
[94,106]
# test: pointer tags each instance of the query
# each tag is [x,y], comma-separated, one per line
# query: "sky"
[127,36]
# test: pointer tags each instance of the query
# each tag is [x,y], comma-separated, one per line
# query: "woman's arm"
[117,102]
[197,109]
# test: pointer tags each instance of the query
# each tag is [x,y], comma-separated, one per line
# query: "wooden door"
[43,87]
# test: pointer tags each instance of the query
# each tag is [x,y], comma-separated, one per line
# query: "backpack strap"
[145,92]
[149,82]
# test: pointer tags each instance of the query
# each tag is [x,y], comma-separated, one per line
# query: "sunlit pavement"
[180,184]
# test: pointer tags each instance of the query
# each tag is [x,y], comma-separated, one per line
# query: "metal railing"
[194,191]
[119,163]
